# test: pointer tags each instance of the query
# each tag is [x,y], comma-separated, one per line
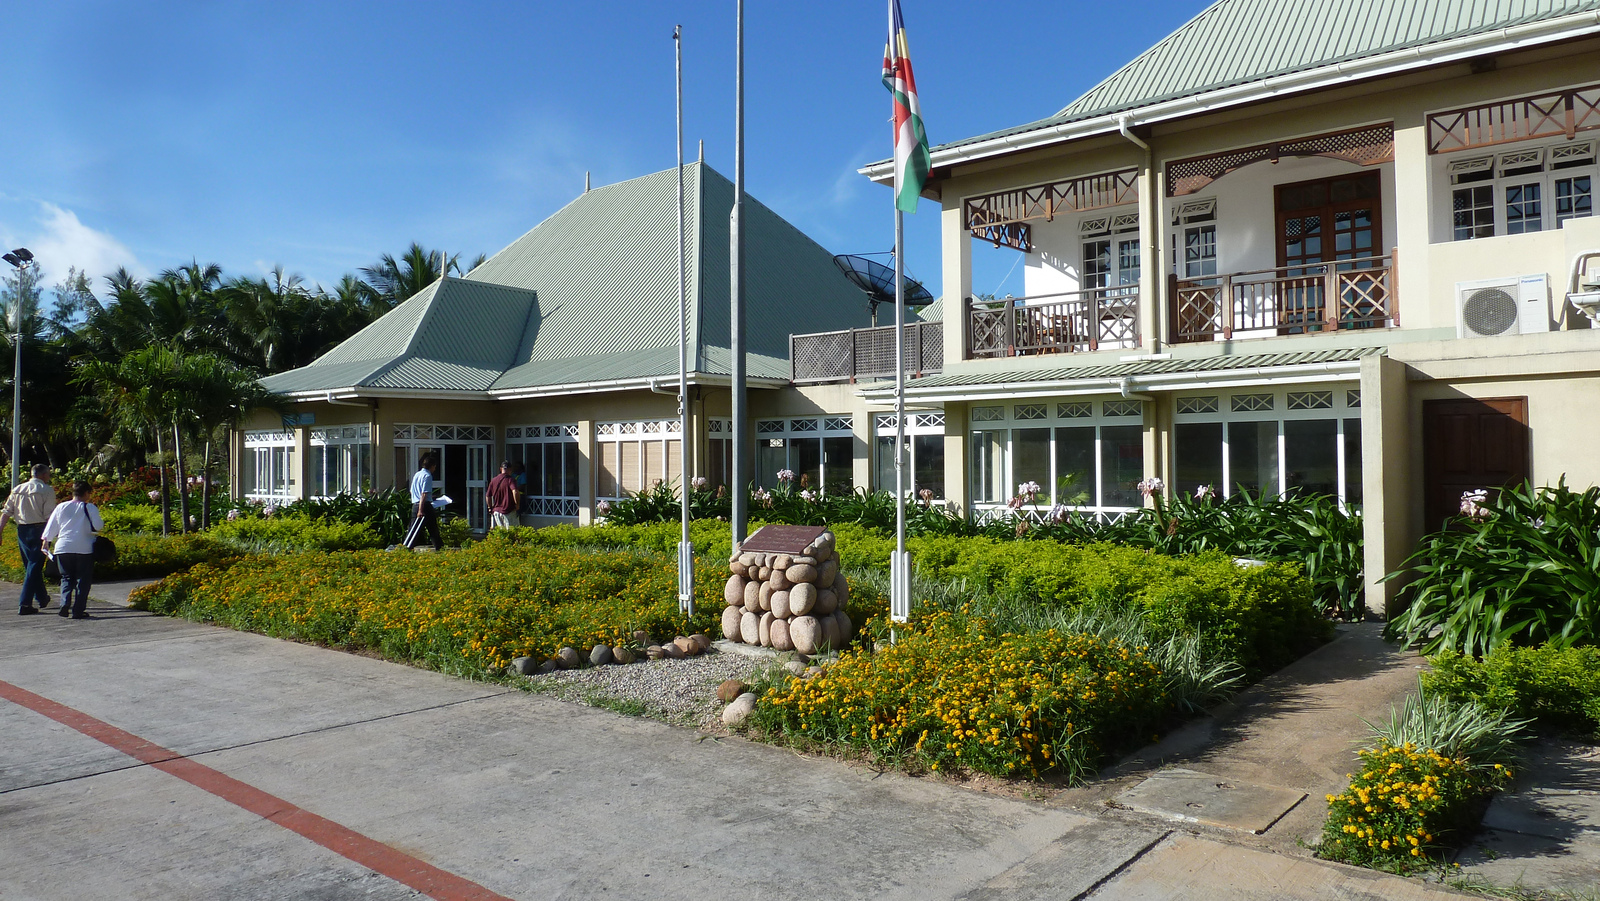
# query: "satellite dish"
[877,280]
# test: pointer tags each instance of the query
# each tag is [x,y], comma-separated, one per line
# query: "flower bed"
[952,693]
[1406,807]
[138,556]
[470,611]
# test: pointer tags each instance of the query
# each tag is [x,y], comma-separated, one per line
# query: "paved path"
[154,758]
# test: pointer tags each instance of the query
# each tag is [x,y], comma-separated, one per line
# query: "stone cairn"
[788,602]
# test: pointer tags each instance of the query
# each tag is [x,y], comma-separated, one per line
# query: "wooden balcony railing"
[1344,294]
[864,353]
[1069,322]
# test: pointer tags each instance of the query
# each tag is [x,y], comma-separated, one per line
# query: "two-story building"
[1336,247]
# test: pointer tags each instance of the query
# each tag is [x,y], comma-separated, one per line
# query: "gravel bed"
[683,692]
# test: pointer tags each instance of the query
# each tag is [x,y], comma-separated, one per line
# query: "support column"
[1152,284]
[1388,530]
[956,253]
[955,456]
[586,472]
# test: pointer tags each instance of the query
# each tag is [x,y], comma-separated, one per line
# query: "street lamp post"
[23,260]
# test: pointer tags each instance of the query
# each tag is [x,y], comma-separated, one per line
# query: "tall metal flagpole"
[900,562]
[740,475]
[685,549]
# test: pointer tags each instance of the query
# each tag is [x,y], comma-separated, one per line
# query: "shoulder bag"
[105,550]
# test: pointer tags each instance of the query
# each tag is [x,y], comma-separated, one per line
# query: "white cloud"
[60,241]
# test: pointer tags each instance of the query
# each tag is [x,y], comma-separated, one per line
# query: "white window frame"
[1013,418]
[536,501]
[786,429]
[1195,217]
[640,432]
[1465,171]
[917,425]
[271,455]
[1345,405]
[347,440]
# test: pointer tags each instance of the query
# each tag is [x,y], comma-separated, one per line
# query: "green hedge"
[1261,617]
[138,556]
[1557,687]
[295,533]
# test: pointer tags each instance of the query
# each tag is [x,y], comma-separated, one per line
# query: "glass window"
[1574,198]
[1075,467]
[805,458]
[838,461]
[721,461]
[988,467]
[1197,455]
[1474,212]
[569,461]
[1310,456]
[1253,458]
[1523,208]
[1096,264]
[1121,465]
[1200,251]
[772,454]
[1128,262]
[1352,461]
[927,452]
[1031,462]
[883,476]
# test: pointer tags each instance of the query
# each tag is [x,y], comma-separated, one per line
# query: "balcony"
[1285,301]
[864,353]
[1067,322]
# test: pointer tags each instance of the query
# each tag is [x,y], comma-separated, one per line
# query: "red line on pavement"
[370,853]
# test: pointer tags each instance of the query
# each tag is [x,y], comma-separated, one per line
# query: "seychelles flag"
[911,158]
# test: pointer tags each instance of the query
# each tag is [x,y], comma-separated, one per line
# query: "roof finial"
[585,182]
[702,150]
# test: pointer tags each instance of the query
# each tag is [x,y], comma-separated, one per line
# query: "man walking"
[503,498]
[425,513]
[30,506]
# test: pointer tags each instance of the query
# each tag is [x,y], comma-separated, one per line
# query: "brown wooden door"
[1471,444]
[1320,221]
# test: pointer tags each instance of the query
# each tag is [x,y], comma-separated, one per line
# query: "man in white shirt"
[72,527]
[425,514]
[29,505]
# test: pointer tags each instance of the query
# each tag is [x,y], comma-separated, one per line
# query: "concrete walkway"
[154,758]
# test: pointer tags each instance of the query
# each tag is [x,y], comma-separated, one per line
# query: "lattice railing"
[864,353]
[999,217]
[1286,300]
[1070,322]
[1538,116]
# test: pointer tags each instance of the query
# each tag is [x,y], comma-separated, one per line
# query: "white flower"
[1204,493]
[155,495]
[603,508]
[233,515]
[699,483]
[1058,513]
[1029,488]
[1151,486]
[1472,504]
[269,509]
[808,494]
[786,475]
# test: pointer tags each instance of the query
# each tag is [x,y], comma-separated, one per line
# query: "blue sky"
[319,135]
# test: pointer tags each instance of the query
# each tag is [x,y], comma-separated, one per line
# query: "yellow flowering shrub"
[954,694]
[471,610]
[1406,807]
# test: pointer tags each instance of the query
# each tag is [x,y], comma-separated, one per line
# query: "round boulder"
[795,668]
[826,572]
[764,573]
[729,690]
[674,650]
[827,602]
[764,630]
[747,560]
[778,632]
[806,633]
[642,639]
[688,646]
[842,589]
[524,666]
[752,595]
[733,592]
[780,604]
[569,658]
[779,580]
[549,666]
[801,572]
[599,655]
[847,629]
[750,628]
[702,640]
[782,561]
[730,622]
[764,596]
[830,632]
[655,652]
[625,655]
[802,598]
[739,710]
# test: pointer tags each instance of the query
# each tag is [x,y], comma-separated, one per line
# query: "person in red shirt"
[503,498]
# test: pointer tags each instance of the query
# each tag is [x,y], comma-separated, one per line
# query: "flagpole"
[900,562]
[685,548]
[741,452]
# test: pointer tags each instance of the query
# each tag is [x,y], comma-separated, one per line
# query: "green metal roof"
[1235,42]
[591,295]
[1110,372]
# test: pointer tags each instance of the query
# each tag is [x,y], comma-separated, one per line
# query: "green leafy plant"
[1558,688]
[1485,738]
[1525,569]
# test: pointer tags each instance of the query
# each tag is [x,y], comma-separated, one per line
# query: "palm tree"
[137,398]
[219,395]
[395,280]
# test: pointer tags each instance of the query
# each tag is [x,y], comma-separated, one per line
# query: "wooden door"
[1321,221]
[1471,444]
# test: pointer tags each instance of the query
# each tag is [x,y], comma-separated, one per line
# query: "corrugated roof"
[1111,371]
[591,295]
[1235,42]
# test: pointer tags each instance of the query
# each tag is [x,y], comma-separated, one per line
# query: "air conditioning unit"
[1503,306]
